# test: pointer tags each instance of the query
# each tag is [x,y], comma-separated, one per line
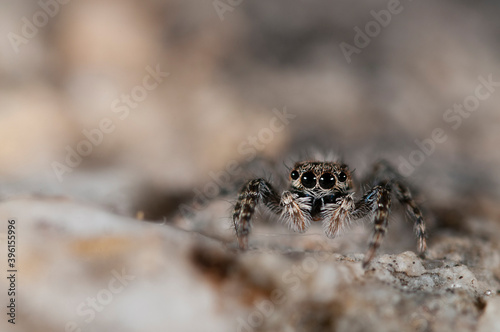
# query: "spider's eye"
[294,175]
[308,180]
[327,181]
[342,177]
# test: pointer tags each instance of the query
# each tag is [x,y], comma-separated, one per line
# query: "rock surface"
[101,271]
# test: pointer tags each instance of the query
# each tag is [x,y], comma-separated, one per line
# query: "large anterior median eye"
[327,181]
[308,180]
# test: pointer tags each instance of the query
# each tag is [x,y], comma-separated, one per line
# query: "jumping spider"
[324,191]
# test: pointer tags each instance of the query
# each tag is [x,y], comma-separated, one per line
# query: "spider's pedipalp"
[338,215]
[296,211]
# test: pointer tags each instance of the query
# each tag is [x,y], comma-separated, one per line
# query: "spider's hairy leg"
[337,215]
[252,193]
[380,200]
[404,196]
[296,211]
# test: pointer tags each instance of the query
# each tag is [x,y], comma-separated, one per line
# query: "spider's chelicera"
[324,191]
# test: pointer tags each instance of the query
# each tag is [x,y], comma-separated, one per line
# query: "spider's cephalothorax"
[323,191]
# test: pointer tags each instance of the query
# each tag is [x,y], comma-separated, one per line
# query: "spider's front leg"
[294,208]
[252,193]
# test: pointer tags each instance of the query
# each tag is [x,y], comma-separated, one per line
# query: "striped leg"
[404,196]
[252,193]
[383,170]
[380,200]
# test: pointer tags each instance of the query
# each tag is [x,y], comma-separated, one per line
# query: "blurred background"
[229,66]
[131,107]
